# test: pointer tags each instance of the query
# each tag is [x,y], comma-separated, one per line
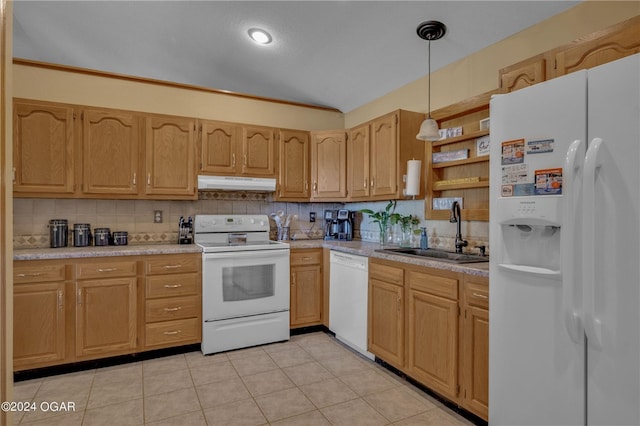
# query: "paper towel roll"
[413,177]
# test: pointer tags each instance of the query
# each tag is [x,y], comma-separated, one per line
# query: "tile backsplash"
[31,218]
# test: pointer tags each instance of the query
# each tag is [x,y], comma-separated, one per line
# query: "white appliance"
[245,282]
[564,340]
[236,183]
[348,289]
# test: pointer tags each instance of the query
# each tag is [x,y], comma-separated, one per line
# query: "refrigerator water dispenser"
[531,235]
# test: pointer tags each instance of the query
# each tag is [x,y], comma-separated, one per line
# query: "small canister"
[58,233]
[81,234]
[120,238]
[101,236]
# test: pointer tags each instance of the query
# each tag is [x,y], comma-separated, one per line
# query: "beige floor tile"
[291,356]
[196,359]
[117,373]
[73,395]
[283,404]
[397,403]
[433,417]
[267,382]
[344,365]
[254,364]
[221,370]
[164,365]
[307,373]
[170,404]
[223,392]
[114,392]
[244,353]
[328,392]
[125,413]
[63,419]
[238,413]
[169,382]
[312,418]
[367,381]
[71,382]
[324,351]
[280,346]
[312,338]
[25,391]
[195,418]
[353,413]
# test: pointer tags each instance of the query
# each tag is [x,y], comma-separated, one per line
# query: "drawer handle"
[31,274]
[173,309]
[306,258]
[107,269]
[172,266]
[169,333]
[481,296]
[172,285]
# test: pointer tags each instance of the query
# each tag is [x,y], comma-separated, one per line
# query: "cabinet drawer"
[434,284]
[476,294]
[172,308]
[388,274]
[173,285]
[306,257]
[38,273]
[173,264]
[125,268]
[169,332]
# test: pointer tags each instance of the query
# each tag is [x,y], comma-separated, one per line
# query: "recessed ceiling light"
[260,36]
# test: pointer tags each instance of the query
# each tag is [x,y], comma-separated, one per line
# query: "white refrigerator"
[564,336]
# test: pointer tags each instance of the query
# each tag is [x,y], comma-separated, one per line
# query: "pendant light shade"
[430,30]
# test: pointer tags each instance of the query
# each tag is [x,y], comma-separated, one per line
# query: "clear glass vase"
[405,240]
[386,237]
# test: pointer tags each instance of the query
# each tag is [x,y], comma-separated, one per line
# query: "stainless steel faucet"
[455,218]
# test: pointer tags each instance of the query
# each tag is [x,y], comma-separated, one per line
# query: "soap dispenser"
[424,239]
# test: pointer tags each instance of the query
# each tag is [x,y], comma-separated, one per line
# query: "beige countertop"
[361,248]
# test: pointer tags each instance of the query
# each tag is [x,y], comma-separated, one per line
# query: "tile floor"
[310,380]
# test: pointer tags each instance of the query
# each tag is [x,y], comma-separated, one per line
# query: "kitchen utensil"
[58,233]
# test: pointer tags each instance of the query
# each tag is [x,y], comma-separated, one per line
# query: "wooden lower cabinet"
[306,288]
[432,325]
[72,310]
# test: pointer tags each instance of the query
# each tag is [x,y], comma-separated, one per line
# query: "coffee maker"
[338,224]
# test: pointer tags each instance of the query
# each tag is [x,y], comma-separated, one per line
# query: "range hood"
[234,183]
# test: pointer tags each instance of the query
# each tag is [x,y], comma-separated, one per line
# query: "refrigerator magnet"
[540,147]
[513,152]
[548,181]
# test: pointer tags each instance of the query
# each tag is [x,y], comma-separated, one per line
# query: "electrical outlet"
[312,217]
[157,216]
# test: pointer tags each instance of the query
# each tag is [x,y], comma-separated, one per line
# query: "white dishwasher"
[348,295]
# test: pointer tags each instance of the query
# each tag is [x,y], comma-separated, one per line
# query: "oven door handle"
[250,254]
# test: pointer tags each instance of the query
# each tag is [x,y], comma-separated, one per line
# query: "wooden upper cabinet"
[358,162]
[218,146]
[258,151]
[523,74]
[329,165]
[170,157]
[604,46]
[43,148]
[384,156]
[293,179]
[110,147]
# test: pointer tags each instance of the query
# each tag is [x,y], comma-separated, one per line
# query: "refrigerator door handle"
[592,163]
[572,170]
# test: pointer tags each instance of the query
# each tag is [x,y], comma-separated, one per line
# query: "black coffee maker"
[338,224]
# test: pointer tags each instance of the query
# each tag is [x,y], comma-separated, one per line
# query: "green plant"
[383,217]
[405,221]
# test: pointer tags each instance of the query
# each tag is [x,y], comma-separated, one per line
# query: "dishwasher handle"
[349,260]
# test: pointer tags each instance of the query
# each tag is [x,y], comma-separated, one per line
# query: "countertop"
[361,248]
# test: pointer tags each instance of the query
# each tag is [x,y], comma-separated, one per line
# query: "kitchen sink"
[442,255]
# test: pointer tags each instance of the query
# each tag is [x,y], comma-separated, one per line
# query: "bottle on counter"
[424,239]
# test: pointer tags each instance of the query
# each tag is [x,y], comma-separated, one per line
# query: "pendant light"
[430,30]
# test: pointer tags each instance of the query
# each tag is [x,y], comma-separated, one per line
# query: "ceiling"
[338,54]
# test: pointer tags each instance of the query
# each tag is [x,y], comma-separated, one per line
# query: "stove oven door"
[242,283]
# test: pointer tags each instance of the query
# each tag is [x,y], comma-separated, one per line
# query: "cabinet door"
[39,324]
[110,145]
[476,361]
[170,156]
[218,146]
[43,148]
[433,342]
[105,317]
[358,162]
[293,179]
[306,295]
[386,321]
[523,74]
[329,165]
[258,151]
[384,156]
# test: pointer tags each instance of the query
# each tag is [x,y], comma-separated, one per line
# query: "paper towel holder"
[412,180]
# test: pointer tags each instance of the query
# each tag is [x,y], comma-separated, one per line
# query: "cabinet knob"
[177,308]
[149,179]
[315,186]
[170,333]
[172,285]
[233,160]
[372,182]
[365,183]
[134,178]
